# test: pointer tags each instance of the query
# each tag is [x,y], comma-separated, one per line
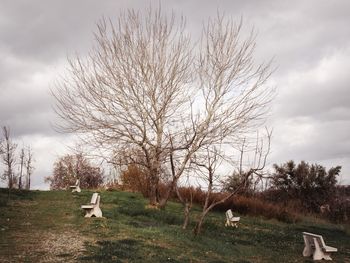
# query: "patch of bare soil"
[67,246]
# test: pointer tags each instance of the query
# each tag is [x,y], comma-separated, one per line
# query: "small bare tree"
[146,86]
[21,166]
[8,158]
[207,166]
[187,202]
[28,163]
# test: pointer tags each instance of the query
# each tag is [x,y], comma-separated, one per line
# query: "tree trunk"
[198,228]
[20,183]
[153,194]
[9,189]
[187,210]
[170,189]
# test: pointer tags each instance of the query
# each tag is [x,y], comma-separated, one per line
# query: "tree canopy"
[148,86]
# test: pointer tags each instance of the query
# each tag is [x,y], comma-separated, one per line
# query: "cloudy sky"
[309,40]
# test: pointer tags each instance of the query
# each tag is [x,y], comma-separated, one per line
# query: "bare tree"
[207,167]
[248,174]
[28,163]
[21,166]
[8,158]
[146,86]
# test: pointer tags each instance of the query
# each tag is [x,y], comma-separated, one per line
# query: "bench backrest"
[94,198]
[310,238]
[229,214]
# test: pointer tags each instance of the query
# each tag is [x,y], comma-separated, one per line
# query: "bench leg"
[230,223]
[76,189]
[97,212]
[308,250]
[327,256]
[88,213]
[318,253]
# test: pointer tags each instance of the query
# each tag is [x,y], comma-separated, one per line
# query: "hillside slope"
[38,226]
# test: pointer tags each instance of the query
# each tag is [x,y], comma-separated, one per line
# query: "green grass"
[40,226]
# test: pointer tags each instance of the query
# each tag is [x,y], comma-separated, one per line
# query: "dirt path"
[66,246]
[40,230]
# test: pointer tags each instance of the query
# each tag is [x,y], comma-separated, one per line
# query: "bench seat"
[87,206]
[330,249]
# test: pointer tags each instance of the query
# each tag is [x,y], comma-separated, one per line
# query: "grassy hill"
[38,226]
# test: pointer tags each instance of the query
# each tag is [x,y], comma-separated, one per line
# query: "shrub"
[339,211]
[134,179]
[311,184]
[243,204]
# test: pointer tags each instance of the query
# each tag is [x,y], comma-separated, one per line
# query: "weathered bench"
[76,187]
[93,209]
[316,247]
[231,220]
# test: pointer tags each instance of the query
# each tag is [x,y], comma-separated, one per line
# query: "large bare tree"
[146,85]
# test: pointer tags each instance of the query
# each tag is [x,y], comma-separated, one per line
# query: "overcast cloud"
[309,40]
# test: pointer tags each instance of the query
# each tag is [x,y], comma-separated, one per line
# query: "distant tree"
[69,168]
[21,166]
[309,183]
[28,163]
[8,158]
[238,183]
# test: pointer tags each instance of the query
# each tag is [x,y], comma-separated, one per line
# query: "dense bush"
[134,178]
[311,184]
[339,211]
[339,207]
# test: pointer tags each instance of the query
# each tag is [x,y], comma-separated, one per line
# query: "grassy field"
[38,226]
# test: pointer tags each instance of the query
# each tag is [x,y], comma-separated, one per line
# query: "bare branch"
[148,88]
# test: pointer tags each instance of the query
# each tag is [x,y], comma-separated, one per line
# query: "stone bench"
[93,209]
[231,220]
[316,247]
[76,187]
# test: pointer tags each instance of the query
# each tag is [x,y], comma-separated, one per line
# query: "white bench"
[316,247]
[93,209]
[76,187]
[231,220]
